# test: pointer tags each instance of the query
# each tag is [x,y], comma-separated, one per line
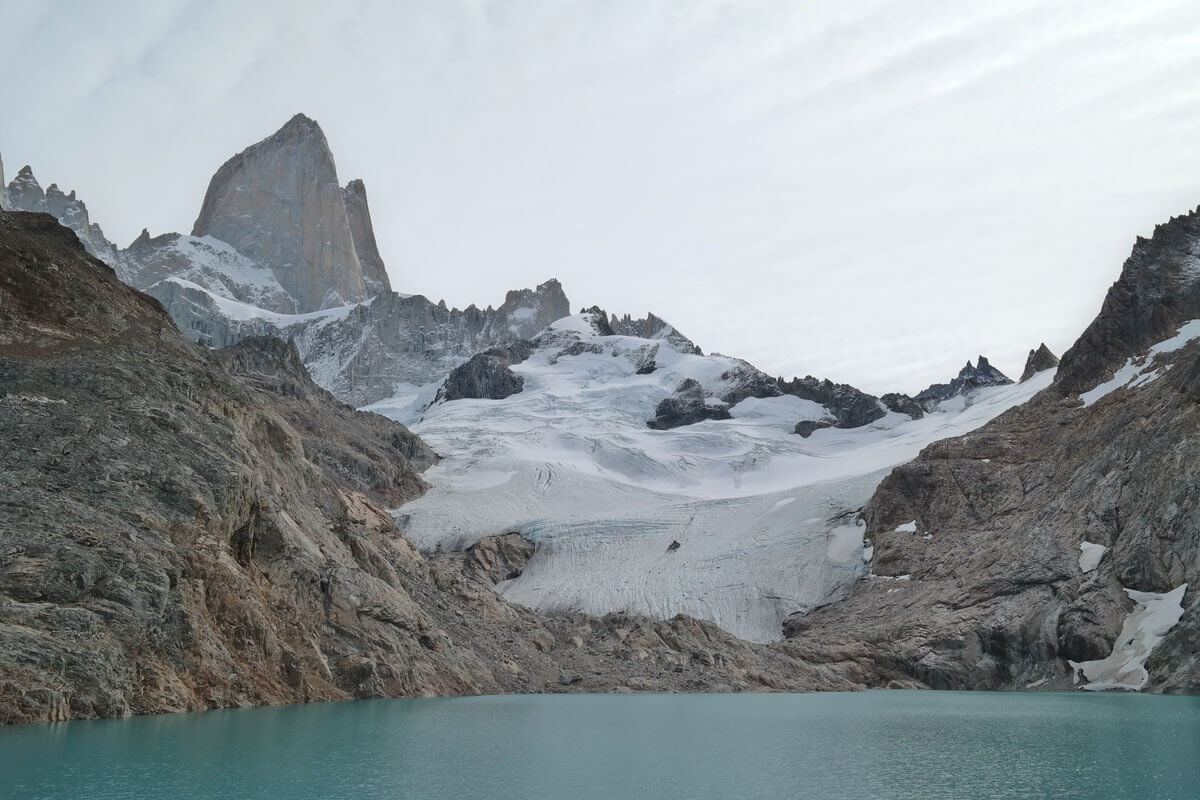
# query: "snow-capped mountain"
[653,478]
[731,518]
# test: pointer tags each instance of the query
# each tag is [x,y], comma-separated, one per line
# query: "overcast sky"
[871,192]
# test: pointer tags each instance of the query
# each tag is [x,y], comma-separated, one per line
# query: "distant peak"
[1039,360]
[25,172]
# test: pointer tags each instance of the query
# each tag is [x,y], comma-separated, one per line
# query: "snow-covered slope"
[739,521]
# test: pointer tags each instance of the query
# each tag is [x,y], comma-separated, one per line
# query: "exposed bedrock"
[486,375]
[687,406]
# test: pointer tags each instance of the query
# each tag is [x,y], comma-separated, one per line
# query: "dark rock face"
[486,375]
[1158,290]
[1039,360]
[686,406]
[849,406]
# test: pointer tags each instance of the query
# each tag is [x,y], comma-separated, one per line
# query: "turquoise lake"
[906,745]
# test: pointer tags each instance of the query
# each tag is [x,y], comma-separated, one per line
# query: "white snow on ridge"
[1137,371]
[1146,626]
[764,517]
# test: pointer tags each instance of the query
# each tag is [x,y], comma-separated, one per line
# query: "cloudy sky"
[868,191]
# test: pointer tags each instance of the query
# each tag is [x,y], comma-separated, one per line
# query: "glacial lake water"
[927,745]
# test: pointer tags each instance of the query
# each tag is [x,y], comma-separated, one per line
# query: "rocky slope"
[1025,544]
[186,530]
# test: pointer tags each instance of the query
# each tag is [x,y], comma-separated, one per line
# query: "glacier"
[738,521]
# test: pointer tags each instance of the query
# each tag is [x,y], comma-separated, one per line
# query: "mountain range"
[277,479]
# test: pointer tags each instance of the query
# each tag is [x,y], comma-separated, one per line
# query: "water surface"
[965,746]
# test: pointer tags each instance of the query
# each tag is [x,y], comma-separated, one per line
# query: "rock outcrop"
[486,375]
[1039,360]
[850,407]
[279,203]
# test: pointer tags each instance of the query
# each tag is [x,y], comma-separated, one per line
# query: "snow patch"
[908,527]
[1144,628]
[1137,371]
[1090,555]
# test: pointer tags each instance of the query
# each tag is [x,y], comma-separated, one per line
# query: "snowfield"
[765,521]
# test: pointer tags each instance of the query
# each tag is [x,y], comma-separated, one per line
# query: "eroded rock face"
[279,202]
[1039,360]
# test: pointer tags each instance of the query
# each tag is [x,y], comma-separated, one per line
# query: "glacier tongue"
[765,520]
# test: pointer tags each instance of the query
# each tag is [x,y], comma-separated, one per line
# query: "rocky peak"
[970,377]
[1158,290]
[279,202]
[527,311]
[374,272]
[1039,360]
[3,188]
[25,193]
